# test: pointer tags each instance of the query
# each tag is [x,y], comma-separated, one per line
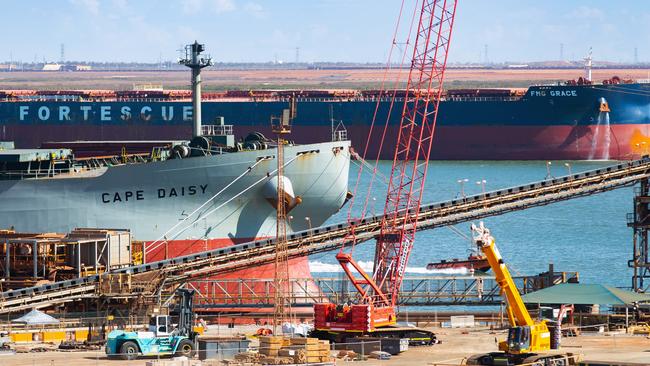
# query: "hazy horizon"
[359,31]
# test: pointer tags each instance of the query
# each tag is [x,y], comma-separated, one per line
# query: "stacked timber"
[275,350]
[270,345]
[310,350]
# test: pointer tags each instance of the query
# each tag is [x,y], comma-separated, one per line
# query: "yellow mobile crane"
[528,340]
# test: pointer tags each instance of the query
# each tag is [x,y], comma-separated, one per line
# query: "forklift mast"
[185,313]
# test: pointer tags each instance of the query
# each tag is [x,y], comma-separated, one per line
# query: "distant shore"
[296,79]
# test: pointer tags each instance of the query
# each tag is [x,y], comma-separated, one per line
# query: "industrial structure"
[281,126]
[225,295]
[32,258]
[639,221]
[148,280]
[378,292]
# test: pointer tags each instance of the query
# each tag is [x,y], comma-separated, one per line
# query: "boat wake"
[320,267]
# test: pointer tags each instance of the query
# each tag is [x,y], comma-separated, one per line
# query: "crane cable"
[267,176]
[392,95]
[375,113]
[155,244]
[369,168]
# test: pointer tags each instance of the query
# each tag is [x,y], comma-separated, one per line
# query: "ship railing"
[87,164]
[40,173]
[375,99]
[55,98]
[482,99]
[216,130]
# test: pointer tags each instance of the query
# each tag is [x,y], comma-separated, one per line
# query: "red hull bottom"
[498,142]
[622,142]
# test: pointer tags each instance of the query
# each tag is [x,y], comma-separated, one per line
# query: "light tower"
[194,61]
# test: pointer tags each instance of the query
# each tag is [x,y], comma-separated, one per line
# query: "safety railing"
[216,130]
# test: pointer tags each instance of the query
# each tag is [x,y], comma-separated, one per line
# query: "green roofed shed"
[584,294]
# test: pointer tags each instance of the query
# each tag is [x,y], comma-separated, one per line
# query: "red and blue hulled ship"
[571,120]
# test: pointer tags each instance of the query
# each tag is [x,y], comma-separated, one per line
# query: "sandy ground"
[456,345]
[283,79]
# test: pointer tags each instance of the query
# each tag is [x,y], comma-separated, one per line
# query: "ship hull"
[151,199]
[495,142]
[547,122]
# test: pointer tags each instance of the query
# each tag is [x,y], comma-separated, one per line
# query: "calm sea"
[588,234]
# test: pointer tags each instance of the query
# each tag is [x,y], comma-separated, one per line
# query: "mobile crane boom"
[517,312]
[528,339]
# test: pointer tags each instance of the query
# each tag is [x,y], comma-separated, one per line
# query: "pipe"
[196,100]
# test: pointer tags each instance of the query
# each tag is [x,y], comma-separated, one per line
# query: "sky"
[324,30]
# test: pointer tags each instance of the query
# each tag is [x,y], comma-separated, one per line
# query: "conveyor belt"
[200,265]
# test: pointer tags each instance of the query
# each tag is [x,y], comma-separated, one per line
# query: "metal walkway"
[221,295]
[149,279]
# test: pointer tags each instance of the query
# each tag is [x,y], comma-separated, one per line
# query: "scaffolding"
[639,221]
[28,259]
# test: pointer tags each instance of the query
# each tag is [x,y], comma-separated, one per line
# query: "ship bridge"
[150,280]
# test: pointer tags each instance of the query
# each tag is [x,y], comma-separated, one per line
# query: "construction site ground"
[456,344]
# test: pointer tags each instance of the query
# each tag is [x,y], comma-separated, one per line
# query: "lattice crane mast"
[281,126]
[379,292]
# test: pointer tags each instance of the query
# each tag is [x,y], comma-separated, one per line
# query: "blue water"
[588,235]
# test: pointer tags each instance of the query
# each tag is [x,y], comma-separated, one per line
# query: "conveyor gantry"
[221,294]
[175,271]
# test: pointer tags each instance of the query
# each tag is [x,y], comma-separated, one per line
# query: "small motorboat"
[474,263]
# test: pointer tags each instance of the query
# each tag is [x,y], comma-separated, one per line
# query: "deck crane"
[378,292]
[528,340]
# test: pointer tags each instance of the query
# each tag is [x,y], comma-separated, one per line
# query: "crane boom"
[528,340]
[517,312]
[411,158]
[415,136]
[379,292]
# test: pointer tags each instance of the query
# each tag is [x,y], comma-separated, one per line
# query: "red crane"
[379,292]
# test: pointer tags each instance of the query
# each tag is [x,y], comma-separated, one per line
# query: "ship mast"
[194,61]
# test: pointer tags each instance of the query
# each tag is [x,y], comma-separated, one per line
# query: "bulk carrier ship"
[577,120]
[182,197]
